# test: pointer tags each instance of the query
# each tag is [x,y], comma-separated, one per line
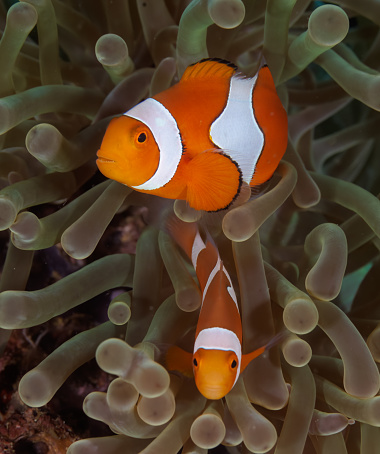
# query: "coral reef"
[303,256]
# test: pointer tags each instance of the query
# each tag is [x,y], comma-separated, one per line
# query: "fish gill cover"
[303,256]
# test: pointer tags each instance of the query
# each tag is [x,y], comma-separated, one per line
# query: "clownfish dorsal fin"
[209,67]
[213,181]
[178,359]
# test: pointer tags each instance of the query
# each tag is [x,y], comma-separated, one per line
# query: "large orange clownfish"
[217,359]
[200,139]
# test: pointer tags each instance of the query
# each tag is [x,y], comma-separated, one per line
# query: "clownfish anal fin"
[178,359]
[213,181]
[260,188]
[209,67]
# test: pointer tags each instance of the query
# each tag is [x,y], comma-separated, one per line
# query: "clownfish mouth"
[213,393]
[103,159]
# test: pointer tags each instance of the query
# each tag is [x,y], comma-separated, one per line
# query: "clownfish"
[201,138]
[217,359]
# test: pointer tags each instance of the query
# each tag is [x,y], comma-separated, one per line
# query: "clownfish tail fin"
[210,239]
[183,233]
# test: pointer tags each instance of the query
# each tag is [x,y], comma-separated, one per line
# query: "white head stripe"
[219,339]
[236,130]
[167,136]
[198,246]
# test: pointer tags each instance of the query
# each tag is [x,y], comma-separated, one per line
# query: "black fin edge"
[218,60]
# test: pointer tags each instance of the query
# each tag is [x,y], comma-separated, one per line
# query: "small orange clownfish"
[201,138]
[217,359]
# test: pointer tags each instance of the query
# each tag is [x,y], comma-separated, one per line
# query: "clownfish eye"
[233,364]
[141,137]
[195,362]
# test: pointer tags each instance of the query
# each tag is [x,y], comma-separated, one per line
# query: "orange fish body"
[217,359]
[200,139]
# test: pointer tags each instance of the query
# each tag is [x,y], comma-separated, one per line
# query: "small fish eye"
[195,362]
[233,364]
[142,137]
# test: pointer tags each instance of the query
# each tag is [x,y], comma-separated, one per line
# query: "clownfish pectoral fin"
[209,67]
[247,358]
[179,360]
[213,181]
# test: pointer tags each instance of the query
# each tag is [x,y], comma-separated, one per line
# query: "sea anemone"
[303,256]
